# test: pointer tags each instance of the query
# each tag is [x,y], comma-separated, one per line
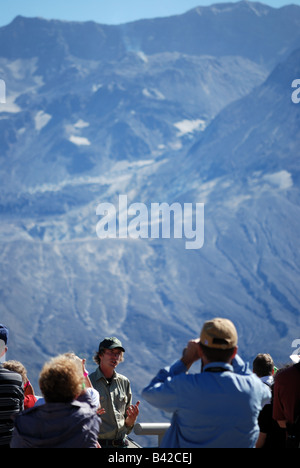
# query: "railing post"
[157,429]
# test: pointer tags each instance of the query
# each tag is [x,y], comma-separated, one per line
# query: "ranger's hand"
[132,414]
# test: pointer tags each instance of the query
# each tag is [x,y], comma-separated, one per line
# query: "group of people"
[77,410]
[226,404]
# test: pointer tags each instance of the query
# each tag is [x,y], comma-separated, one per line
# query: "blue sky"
[105,11]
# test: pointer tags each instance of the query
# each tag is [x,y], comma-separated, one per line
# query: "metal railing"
[156,429]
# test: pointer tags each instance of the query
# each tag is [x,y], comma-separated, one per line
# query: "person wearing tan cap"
[218,407]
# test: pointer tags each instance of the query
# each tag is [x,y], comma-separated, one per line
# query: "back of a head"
[263,365]
[218,340]
[4,334]
[77,361]
[60,380]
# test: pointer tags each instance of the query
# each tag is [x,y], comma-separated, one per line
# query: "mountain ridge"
[196,32]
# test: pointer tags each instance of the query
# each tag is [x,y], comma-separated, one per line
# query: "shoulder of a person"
[83,408]
[95,375]
[6,374]
[284,374]
[122,377]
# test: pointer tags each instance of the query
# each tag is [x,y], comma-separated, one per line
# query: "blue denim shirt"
[210,409]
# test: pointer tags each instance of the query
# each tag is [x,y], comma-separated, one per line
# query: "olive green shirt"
[115,397]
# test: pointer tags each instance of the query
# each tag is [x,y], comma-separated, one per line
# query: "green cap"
[111,343]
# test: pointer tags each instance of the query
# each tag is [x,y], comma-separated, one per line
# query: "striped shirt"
[11,402]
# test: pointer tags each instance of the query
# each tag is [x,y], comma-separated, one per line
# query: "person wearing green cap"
[115,395]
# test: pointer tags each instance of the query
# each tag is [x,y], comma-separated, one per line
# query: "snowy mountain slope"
[266,120]
[246,168]
[86,121]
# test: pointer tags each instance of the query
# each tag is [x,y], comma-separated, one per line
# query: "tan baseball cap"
[219,333]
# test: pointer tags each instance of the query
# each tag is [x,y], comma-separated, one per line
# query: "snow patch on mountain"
[79,141]
[81,124]
[10,106]
[283,180]
[41,119]
[153,94]
[190,126]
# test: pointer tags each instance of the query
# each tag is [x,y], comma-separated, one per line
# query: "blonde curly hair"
[60,380]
